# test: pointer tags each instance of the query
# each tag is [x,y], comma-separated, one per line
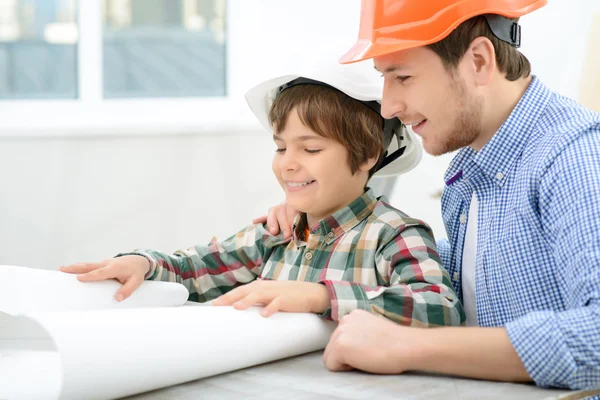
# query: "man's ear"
[480,59]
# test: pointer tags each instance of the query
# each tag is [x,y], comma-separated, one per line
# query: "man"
[521,202]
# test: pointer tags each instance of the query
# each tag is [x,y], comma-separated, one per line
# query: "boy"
[349,250]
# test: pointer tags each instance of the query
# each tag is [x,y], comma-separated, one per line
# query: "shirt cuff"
[345,297]
[542,348]
[150,275]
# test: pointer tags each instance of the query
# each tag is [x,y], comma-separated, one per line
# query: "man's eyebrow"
[392,68]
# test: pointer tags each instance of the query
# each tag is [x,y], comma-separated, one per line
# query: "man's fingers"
[82,268]
[271,308]
[337,366]
[332,358]
[282,219]
[129,287]
[260,220]
[291,214]
[272,223]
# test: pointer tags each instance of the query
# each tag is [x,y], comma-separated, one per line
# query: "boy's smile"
[295,186]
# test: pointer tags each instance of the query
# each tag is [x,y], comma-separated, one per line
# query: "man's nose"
[392,102]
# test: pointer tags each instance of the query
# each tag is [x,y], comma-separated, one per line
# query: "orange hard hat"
[387,26]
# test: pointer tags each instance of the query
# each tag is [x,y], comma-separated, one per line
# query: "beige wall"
[590,82]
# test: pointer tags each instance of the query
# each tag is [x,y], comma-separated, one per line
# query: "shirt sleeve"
[561,348]
[212,270]
[419,292]
[443,246]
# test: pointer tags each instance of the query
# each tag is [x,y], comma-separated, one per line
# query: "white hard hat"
[403,152]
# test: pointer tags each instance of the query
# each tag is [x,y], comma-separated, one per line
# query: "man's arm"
[562,347]
[373,344]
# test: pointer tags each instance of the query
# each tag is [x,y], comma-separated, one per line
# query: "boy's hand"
[290,296]
[129,270]
[280,217]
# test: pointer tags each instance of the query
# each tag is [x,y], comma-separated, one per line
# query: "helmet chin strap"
[392,128]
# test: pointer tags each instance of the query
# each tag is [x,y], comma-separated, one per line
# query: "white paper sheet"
[111,353]
[34,290]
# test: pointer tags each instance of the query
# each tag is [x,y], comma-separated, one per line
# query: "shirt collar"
[498,155]
[340,222]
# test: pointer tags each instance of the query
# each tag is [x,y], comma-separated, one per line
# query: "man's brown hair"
[334,115]
[452,48]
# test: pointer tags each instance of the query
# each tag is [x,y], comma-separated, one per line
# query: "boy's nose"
[288,163]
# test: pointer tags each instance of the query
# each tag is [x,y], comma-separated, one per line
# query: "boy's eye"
[313,151]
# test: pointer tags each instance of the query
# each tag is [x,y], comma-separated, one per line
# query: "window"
[38,49]
[131,49]
[164,48]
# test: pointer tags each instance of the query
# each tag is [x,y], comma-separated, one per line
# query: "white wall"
[81,198]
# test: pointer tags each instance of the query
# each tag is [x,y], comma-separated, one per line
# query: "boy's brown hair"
[452,48]
[334,115]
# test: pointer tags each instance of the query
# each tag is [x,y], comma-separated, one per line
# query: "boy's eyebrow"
[299,138]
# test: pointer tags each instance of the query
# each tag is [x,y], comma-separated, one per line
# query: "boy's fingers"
[231,297]
[248,301]
[81,268]
[272,307]
[98,275]
[128,288]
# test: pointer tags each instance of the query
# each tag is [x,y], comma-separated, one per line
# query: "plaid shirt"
[537,268]
[369,255]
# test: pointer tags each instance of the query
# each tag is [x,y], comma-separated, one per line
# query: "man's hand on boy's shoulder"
[280,217]
[289,296]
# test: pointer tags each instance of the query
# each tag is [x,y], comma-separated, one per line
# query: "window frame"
[92,114]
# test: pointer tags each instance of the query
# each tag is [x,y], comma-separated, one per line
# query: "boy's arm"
[210,271]
[419,291]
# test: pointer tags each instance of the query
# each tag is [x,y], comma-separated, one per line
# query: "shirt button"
[308,255]
[330,234]
[455,276]
[463,218]
[499,176]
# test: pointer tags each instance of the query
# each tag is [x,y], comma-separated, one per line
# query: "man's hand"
[279,217]
[373,344]
[129,270]
[370,343]
[290,296]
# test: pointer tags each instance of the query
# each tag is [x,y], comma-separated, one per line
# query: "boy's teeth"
[298,184]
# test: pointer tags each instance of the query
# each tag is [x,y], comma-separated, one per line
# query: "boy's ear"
[370,163]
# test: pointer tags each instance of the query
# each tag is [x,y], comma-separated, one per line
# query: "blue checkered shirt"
[537,267]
